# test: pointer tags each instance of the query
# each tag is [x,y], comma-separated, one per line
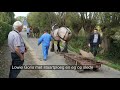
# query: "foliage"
[7,17]
[4,30]
[20,18]
[6,20]
[41,20]
[73,21]
[79,42]
[114,49]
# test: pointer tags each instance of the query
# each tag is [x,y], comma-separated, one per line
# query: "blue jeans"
[45,51]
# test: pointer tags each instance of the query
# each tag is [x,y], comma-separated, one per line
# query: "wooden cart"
[76,59]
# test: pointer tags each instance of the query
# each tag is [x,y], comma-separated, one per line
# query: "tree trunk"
[105,44]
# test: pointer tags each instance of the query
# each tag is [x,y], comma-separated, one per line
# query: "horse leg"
[52,46]
[65,48]
[33,35]
[36,35]
[58,46]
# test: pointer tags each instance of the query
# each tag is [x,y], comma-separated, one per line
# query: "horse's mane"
[55,27]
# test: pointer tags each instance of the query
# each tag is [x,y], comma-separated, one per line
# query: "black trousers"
[94,49]
[15,62]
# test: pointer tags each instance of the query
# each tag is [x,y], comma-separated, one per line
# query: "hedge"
[4,31]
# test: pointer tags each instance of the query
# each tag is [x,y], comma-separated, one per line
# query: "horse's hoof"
[64,51]
[61,54]
[52,50]
[57,51]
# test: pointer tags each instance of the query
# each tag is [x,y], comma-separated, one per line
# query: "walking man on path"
[94,42]
[45,40]
[17,48]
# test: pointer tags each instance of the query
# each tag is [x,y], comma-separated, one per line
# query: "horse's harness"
[59,35]
[64,35]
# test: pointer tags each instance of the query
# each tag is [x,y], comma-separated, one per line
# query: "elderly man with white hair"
[17,48]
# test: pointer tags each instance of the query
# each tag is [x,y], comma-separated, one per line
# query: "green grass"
[111,63]
[115,66]
[73,49]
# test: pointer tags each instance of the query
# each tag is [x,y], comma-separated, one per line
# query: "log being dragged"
[86,54]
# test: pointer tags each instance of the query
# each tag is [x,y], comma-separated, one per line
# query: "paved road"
[56,59]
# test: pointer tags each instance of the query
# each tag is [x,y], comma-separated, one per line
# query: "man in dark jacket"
[94,42]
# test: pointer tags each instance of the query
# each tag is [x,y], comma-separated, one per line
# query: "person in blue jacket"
[45,40]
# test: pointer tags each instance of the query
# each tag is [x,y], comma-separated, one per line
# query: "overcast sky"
[20,14]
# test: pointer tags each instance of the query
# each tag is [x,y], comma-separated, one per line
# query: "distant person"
[28,32]
[17,48]
[31,32]
[94,42]
[45,40]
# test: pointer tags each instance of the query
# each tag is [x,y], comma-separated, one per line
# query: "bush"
[114,49]
[77,43]
[4,30]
